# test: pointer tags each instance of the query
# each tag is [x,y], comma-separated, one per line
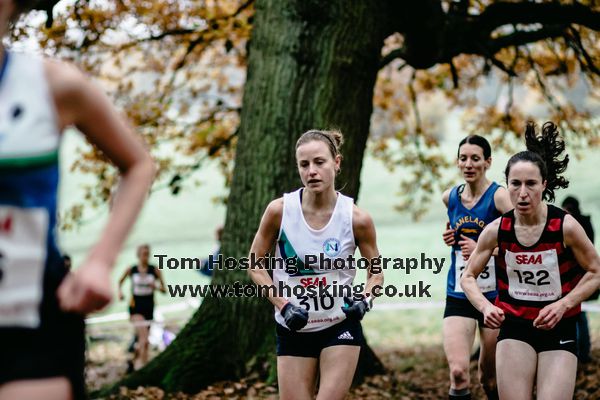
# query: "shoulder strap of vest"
[459,190]
[554,227]
[495,186]
[454,197]
[506,227]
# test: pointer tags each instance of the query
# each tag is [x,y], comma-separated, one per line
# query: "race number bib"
[533,276]
[486,279]
[143,284]
[23,235]
[323,308]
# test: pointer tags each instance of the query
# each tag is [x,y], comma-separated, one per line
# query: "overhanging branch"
[448,35]
[503,13]
[575,42]
[550,98]
[520,38]
[391,56]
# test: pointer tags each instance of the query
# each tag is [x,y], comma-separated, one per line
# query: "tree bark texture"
[312,64]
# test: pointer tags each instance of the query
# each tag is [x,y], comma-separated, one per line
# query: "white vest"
[143,284]
[28,122]
[334,242]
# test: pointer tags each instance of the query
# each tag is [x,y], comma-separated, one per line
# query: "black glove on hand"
[355,309]
[295,317]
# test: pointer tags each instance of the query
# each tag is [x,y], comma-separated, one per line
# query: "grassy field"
[183,226]
[408,341]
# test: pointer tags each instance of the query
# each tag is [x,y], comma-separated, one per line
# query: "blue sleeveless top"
[30,262]
[470,223]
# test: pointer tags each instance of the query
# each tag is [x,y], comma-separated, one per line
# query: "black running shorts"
[562,337]
[310,344]
[55,349]
[456,307]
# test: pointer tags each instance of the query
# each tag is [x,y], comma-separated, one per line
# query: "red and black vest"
[531,277]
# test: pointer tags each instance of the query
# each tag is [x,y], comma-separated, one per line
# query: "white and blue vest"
[29,142]
[298,241]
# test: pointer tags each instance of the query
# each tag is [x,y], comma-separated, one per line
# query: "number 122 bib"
[533,276]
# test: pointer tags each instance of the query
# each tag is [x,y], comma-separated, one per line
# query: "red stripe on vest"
[572,312]
[554,225]
[506,224]
[6,224]
[502,285]
[547,241]
[515,248]
[568,286]
[567,266]
[518,311]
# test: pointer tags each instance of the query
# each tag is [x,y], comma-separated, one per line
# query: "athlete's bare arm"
[446,196]
[82,104]
[126,274]
[488,241]
[587,257]
[161,287]
[366,238]
[503,205]
[502,200]
[448,235]
[263,242]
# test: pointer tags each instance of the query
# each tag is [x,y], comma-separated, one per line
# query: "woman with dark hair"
[317,335]
[540,282]
[41,303]
[471,206]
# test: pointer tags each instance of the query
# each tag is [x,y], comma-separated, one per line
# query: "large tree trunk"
[312,64]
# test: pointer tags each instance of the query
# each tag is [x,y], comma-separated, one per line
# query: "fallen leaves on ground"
[417,373]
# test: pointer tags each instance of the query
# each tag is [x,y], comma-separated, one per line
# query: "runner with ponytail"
[540,284]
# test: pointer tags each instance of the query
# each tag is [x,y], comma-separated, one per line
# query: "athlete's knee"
[459,374]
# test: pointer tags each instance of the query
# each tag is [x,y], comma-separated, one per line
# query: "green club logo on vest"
[287,251]
[332,247]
